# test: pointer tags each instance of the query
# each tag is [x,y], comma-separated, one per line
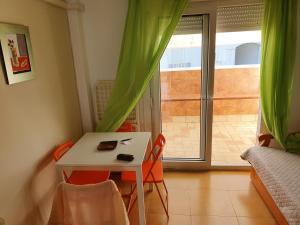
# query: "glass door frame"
[196,8]
[208,59]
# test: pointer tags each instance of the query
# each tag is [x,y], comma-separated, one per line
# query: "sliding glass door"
[208,110]
[183,82]
[236,83]
[236,95]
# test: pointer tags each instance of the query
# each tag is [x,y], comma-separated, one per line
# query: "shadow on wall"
[39,192]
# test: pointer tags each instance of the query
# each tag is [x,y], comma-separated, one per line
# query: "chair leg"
[131,191]
[131,205]
[129,195]
[161,199]
[167,194]
[165,206]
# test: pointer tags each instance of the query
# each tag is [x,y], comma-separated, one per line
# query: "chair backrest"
[61,149]
[157,148]
[156,153]
[127,127]
[97,204]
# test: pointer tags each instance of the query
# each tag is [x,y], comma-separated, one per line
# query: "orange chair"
[127,127]
[152,173]
[79,177]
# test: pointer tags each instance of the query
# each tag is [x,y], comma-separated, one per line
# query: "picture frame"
[16,53]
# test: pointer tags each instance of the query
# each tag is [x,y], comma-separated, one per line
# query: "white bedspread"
[280,173]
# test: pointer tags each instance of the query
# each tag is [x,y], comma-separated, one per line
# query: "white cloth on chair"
[93,204]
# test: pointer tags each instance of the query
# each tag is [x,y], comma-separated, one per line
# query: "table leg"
[140,195]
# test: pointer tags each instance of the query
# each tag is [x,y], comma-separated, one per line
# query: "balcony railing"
[235,104]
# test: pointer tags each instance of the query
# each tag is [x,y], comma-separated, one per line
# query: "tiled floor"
[207,198]
[232,134]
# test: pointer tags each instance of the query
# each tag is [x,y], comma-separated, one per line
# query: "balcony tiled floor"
[232,134]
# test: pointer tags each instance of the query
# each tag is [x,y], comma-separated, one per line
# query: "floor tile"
[256,221]
[249,203]
[207,198]
[229,180]
[208,202]
[161,219]
[179,203]
[214,220]
[179,180]
[210,180]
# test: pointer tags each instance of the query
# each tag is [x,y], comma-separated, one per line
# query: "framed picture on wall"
[16,53]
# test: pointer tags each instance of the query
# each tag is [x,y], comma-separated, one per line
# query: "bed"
[276,176]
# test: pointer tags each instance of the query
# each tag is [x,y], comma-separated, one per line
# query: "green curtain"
[278,58]
[149,27]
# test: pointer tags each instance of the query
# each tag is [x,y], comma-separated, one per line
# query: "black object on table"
[125,157]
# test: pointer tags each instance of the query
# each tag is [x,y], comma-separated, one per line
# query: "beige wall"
[36,115]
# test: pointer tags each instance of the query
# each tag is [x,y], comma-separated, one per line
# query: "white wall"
[36,115]
[103,24]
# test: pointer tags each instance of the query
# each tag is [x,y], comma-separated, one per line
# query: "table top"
[85,154]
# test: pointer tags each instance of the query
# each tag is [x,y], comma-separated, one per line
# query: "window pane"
[236,94]
[180,73]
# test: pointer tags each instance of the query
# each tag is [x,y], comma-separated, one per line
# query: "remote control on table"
[125,157]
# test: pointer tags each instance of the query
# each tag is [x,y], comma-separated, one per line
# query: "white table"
[85,156]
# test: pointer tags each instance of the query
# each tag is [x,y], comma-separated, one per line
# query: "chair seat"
[129,176]
[81,177]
